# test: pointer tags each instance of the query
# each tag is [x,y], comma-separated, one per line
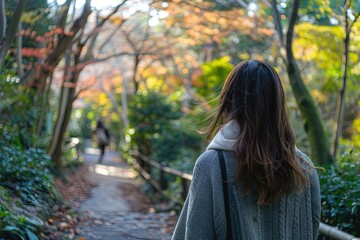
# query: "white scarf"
[225,138]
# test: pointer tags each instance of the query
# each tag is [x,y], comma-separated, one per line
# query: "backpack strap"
[226,193]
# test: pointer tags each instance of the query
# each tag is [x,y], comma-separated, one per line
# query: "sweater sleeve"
[196,220]
[315,197]
[315,202]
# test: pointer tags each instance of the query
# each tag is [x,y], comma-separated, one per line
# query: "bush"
[340,195]
[149,120]
[27,173]
[14,225]
[160,129]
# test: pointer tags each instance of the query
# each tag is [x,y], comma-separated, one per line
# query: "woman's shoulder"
[207,157]
[205,160]
[308,165]
[304,156]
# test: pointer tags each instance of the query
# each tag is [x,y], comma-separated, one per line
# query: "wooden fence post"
[163,182]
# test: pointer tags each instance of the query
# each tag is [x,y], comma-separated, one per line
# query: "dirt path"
[112,216]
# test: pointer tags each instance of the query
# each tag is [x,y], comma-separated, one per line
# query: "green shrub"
[27,173]
[159,129]
[340,195]
[151,116]
[212,77]
[16,226]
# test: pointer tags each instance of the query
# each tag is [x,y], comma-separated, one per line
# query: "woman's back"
[295,216]
[291,217]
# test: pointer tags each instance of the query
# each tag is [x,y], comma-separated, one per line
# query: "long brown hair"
[253,96]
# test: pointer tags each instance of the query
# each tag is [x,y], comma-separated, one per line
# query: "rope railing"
[143,165]
[335,233]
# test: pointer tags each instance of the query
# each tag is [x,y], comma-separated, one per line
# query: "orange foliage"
[202,25]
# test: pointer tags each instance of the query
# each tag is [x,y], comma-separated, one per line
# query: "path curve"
[111,215]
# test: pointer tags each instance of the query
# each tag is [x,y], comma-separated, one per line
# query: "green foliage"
[36,20]
[159,129]
[340,194]
[352,143]
[80,124]
[17,112]
[27,173]
[151,129]
[24,165]
[213,76]
[13,225]
[314,47]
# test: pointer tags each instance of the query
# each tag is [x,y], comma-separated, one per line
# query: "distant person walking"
[251,183]
[102,138]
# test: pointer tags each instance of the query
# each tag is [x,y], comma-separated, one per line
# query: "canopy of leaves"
[213,75]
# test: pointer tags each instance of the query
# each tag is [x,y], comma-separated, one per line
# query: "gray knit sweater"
[295,216]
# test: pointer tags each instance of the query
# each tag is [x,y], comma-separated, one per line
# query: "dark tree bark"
[313,124]
[64,113]
[7,33]
[65,40]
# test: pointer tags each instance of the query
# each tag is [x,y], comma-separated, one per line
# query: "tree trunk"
[65,40]
[124,102]
[9,31]
[339,117]
[19,57]
[73,67]
[2,22]
[44,107]
[56,147]
[65,108]
[136,65]
[313,125]
[318,141]
[340,103]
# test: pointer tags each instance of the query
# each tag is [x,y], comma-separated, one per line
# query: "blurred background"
[152,71]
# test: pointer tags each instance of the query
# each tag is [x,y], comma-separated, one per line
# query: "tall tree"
[313,125]
[348,24]
[65,39]
[78,55]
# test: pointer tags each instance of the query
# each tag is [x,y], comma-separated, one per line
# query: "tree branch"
[292,21]
[96,60]
[352,23]
[112,34]
[104,20]
[65,11]
[19,57]
[2,22]
[65,40]
[277,22]
[146,35]
[242,3]
[91,44]
[12,29]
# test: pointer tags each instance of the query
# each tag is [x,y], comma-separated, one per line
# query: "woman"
[273,188]
[102,138]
